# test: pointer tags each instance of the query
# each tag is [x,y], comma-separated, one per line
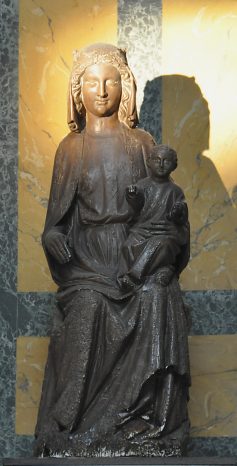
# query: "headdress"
[96,54]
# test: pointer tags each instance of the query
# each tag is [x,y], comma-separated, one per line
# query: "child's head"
[162,160]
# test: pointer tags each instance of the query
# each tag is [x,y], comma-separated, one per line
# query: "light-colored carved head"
[101,54]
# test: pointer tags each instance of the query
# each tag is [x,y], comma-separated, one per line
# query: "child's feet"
[126,283]
[164,275]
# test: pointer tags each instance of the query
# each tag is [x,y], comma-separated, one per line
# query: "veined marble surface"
[8,144]
[140,33]
[199,115]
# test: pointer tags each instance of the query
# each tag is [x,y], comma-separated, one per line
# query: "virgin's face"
[101,90]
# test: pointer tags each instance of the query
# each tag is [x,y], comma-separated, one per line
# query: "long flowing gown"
[117,374]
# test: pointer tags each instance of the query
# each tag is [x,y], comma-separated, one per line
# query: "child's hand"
[126,283]
[135,197]
[131,191]
[179,213]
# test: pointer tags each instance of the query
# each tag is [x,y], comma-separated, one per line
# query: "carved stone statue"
[117,376]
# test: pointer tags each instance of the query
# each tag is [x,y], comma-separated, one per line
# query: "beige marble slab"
[30,363]
[213,395]
[199,115]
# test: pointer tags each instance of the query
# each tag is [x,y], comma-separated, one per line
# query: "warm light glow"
[199,39]
[199,115]
[48,34]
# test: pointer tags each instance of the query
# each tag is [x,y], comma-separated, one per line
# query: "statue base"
[125,461]
[152,448]
[147,444]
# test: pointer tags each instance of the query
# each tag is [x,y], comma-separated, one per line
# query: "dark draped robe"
[117,373]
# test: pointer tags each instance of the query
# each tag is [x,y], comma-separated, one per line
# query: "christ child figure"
[160,227]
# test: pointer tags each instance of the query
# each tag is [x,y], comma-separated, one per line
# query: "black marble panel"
[8,142]
[213,446]
[152,105]
[139,32]
[8,312]
[213,312]
[24,445]
[9,60]
[35,313]
[8,218]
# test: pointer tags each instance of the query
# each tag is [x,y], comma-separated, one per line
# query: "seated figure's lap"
[81,304]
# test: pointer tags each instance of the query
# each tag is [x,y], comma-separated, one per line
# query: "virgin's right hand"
[56,245]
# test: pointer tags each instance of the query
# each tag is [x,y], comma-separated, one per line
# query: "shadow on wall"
[184,125]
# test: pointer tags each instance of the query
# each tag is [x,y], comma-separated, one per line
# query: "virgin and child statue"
[116,239]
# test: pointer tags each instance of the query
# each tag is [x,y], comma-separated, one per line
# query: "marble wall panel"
[49,31]
[199,115]
[31,358]
[212,446]
[34,313]
[8,143]
[213,395]
[212,312]
[8,314]
[8,208]
[8,220]
[140,33]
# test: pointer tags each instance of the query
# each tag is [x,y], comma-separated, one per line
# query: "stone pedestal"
[122,461]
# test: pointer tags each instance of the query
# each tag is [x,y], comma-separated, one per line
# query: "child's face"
[162,165]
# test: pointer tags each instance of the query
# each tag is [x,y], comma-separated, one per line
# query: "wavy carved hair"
[127,110]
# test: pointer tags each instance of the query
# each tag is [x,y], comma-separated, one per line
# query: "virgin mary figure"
[117,374]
